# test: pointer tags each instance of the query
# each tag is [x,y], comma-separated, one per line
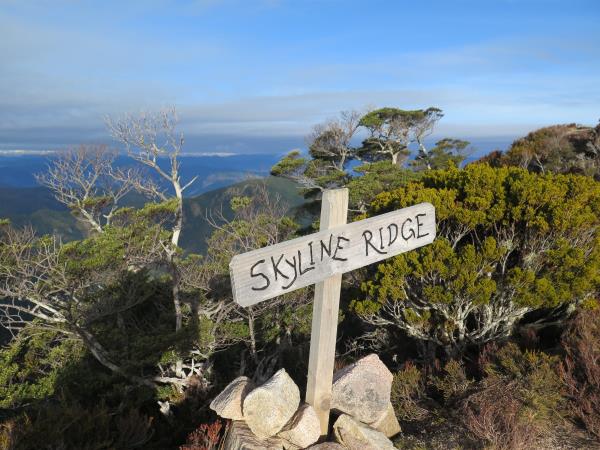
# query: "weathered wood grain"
[275,270]
[334,212]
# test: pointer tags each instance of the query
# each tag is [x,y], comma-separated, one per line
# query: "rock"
[363,389]
[388,423]
[240,437]
[228,404]
[354,435]
[303,429]
[327,446]
[269,407]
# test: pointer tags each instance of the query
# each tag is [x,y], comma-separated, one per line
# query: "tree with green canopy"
[330,151]
[392,130]
[447,152]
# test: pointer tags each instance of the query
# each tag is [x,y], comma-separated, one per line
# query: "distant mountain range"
[24,202]
[213,170]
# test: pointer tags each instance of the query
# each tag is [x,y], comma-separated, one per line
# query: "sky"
[254,76]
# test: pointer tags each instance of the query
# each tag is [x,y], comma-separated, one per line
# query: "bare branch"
[84,180]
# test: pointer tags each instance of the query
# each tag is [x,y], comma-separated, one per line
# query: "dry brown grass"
[580,369]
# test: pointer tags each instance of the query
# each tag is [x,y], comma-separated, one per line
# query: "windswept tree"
[383,153]
[88,181]
[446,153]
[392,130]
[40,280]
[330,150]
[74,289]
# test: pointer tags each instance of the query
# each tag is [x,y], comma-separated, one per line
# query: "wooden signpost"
[321,259]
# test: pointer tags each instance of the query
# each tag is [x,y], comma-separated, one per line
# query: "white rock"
[269,407]
[363,389]
[239,437]
[388,423]
[354,435]
[303,429]
[228,404]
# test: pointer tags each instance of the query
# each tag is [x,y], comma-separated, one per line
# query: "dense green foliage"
[509,242]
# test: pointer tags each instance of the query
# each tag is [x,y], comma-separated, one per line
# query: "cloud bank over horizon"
[255,76]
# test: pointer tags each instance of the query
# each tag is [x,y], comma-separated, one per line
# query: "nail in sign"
[271,271]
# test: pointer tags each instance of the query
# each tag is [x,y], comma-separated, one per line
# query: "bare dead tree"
[148,138]
[331,141]
[85,180]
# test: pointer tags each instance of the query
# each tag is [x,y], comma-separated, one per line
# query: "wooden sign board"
[271,271]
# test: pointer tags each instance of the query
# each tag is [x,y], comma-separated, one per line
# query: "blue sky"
[255,76]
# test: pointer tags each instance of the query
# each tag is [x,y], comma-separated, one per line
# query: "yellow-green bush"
[509,242]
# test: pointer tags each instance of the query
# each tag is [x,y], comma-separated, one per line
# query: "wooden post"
[334,212]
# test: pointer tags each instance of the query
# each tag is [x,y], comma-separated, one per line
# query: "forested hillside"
[122,336]
[37,207]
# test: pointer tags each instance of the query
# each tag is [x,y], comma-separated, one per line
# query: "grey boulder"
[362,390]
[304,429]
[239,437]
[354,435]
[388,423]
[269,407]
[228,404]
[327,446]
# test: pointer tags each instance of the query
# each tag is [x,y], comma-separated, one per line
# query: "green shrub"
[509,242]
[408,388]
[536,376]
[31,365]
[453,383]
[518,399]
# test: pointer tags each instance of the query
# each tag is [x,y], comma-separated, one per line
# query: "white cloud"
[64,79]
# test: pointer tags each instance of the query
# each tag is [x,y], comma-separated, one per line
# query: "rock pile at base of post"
[271,416]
